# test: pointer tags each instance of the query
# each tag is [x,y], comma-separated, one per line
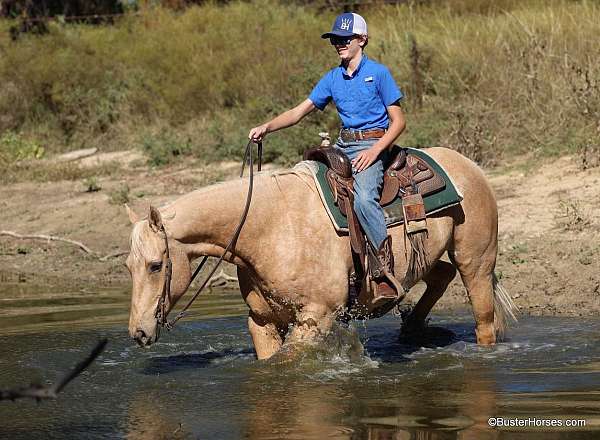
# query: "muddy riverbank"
[549,229]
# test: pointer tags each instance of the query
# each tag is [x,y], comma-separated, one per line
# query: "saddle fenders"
[340,180]
[407,176]
[404,172]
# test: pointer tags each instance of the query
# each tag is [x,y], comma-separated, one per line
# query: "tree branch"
[39,392]
[221,279]
[65,240]
[113,255]
[48,238]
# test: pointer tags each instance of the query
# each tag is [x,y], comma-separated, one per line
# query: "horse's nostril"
[140,336]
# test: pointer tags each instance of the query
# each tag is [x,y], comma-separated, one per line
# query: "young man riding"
[367,100]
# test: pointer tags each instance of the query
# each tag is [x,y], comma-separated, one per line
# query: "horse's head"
[147,264]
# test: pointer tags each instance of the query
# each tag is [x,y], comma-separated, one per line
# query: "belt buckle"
[346,135]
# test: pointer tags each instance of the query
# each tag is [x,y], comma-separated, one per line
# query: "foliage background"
[489,78]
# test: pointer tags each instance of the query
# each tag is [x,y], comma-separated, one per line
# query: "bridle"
[161,307]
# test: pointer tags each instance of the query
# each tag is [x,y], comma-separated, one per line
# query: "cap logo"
[345,26]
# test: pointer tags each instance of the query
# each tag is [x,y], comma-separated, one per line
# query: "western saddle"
[406,176]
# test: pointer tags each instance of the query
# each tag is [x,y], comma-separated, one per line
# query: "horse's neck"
[205,220]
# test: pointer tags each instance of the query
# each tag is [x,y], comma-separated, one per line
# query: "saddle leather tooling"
[407,176]
[340,180]
[405,170]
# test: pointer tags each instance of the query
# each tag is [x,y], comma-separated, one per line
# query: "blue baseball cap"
[346,25]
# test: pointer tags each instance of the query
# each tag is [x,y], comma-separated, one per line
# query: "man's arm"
[284,120]
[365,159]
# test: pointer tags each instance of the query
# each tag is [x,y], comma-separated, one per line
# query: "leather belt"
[348,134]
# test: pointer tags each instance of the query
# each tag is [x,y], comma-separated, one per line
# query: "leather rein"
[161,307]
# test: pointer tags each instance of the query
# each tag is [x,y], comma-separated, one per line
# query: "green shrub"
[46,171]
[91,184]
[119,195]
[164,148]
[524,77]
[15,147]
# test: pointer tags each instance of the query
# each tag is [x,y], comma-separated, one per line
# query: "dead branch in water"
[39,392]
[221,279]
[82,246]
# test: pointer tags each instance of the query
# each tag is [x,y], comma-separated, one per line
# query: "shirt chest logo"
[369,79]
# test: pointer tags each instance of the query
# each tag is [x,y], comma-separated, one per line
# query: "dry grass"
[490,79]
[524,78]
[50,171]
[572,216]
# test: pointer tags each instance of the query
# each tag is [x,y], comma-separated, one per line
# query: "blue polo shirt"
[361,99]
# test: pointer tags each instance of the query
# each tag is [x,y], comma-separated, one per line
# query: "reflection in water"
[203,381]
[27,309]
[455,405]
[427,413]
[149,419]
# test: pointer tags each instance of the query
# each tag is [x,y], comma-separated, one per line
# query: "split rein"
[161,308]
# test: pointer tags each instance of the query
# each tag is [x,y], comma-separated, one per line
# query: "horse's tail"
[504,308]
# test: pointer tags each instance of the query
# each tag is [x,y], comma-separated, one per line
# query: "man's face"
[347,48]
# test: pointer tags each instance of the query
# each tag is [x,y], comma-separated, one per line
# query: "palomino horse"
[294,268]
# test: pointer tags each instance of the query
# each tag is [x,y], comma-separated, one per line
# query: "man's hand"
[286,119]
[257,134]
[366,158]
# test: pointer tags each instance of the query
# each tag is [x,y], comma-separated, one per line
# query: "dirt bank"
[549,240]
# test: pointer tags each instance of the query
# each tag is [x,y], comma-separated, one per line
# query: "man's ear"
[155,219]
[363,41]
[133,217]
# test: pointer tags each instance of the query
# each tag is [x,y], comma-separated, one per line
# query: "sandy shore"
[549,229]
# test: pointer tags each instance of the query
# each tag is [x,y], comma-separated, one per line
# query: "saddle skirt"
[332,173]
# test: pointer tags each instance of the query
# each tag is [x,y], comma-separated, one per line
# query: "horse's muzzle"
[142,339]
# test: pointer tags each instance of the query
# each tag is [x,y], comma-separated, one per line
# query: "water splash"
[336,355]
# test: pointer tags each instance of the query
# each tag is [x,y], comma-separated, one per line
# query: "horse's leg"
[313,321]
[437,280]
[265,336]
[477,272]
[475,242]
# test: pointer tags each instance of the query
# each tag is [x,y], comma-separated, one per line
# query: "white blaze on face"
[146,288]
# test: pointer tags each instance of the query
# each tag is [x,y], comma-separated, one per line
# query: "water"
[203,381]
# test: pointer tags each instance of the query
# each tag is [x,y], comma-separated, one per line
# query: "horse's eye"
[155,266]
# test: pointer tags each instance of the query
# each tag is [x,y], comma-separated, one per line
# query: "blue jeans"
[367,189]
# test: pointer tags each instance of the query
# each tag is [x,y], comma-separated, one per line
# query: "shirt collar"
[362,61]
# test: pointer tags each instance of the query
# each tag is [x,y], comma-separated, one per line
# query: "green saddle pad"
[394,215]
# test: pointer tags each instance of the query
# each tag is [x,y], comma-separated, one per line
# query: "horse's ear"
[154,219]
[133,217]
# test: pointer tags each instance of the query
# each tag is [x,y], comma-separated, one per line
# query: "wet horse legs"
[265,336]
[437,280]
[477,277]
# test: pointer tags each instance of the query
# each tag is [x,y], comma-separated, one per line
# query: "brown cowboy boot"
[387,288]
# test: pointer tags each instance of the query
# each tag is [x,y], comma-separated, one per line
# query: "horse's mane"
[136,245]
[304,170]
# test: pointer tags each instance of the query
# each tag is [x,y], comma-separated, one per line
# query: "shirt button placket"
[352,91]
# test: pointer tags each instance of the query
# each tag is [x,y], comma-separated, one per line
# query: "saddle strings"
[247,158]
